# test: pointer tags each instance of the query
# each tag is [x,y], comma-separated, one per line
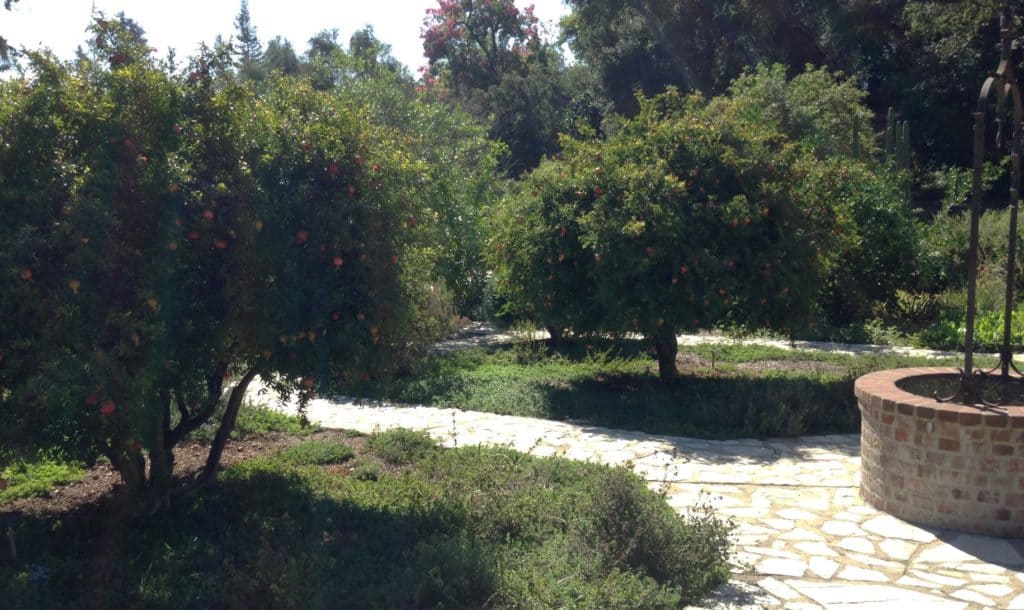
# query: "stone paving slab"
[803,537]
[482,334]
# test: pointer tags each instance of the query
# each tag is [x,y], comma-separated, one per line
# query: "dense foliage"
[460,528]
[698,212]
[926,58]
[169,237]
[488,57]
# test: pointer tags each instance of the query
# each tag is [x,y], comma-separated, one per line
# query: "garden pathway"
[479,334]
[803,539]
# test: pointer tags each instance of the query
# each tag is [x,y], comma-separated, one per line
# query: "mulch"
[102,482]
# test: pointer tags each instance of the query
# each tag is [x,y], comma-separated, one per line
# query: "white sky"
[183,24]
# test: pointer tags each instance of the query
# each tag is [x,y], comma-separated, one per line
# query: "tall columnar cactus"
[897,140]
[897,148]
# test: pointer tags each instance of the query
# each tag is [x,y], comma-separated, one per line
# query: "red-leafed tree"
[488,56]
[478,42]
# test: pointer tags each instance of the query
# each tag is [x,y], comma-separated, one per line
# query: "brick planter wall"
[940,464]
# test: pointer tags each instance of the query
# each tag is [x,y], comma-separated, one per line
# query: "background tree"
[825,114]
[488,56]
[280,56]
[460,180]
[5,48]
[371,54]
[250,51]
[322,48]
[922,57]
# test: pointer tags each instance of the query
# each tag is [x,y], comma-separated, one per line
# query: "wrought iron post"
[1002,83]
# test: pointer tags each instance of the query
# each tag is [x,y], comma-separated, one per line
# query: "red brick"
[1000,436]
[950,429]
[970,419]
[948,414]
[923,502]
[938,459]
[996,420]
[901,435]
[925,412]
[1002,450]
[988,497]
[948,444]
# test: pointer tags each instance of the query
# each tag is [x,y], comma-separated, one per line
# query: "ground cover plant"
[37,475]
[723,391]
[457,528]
[32,477]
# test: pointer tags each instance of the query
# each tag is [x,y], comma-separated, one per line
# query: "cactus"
[897,141]
[897,149]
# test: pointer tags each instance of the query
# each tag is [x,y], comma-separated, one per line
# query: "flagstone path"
[803,539]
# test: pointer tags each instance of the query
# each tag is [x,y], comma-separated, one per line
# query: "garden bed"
[384,521]
[724,391]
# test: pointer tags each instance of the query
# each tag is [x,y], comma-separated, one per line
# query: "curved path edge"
[481,334]
[803,539]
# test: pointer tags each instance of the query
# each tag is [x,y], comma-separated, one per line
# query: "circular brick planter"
[940,464]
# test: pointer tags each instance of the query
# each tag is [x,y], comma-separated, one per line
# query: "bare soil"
[692,362]
[102,482]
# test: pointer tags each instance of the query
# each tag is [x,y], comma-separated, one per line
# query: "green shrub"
[949,332]
[917,307]
[638,531]
[365,470]
[257,420]
[473,527]
[316,453]
[27,479]
[943,262]
[400,446]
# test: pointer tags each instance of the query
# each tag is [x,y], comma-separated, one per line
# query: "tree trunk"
[666,347]
[131,465]
[161,461]
[227,424]
[555,335]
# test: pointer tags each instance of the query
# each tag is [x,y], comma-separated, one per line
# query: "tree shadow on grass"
[715,408]
[261,539]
